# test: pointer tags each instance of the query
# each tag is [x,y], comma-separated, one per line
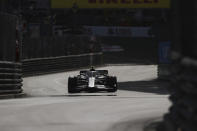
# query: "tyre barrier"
[63,63]
[10,78]
[183,89]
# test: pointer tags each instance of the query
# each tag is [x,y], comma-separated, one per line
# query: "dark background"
[41,40]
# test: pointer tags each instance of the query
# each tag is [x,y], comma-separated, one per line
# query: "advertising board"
[119,31]
[110,3]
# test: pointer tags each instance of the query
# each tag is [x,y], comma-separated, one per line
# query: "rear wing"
[101,72]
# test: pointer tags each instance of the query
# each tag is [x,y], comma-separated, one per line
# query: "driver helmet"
[92,68]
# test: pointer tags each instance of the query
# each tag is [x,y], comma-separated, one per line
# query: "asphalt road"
[48,107]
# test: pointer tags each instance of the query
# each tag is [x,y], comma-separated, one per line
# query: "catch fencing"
[7,37]
[54,54]
[44,47]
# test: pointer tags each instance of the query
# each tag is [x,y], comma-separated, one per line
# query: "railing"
[62,63]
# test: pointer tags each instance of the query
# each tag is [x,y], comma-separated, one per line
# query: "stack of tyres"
[10,78]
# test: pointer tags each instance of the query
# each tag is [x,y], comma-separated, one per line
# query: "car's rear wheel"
[72,84]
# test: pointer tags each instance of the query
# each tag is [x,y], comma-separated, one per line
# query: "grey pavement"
[48,107]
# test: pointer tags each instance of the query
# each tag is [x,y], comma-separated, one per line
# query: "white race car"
[92,81]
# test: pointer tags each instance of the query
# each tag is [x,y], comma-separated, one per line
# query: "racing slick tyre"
[72,83]
[112,82]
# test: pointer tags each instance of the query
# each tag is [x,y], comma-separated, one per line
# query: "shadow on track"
[88,94]
[74,95]
[151,86]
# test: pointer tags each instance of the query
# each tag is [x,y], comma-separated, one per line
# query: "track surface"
[48,107]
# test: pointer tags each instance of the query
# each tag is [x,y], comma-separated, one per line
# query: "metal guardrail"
[54,64]
[11,73]
[10,78]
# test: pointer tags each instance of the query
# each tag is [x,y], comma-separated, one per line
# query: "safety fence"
[50,46]
[7,37]
[62,63]
[10,78]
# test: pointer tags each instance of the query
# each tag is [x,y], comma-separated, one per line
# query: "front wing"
[95,88]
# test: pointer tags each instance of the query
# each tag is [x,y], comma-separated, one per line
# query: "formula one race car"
[92,81]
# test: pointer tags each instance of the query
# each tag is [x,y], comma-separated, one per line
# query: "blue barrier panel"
[164,52]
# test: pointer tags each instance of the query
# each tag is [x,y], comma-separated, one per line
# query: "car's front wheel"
[112,83]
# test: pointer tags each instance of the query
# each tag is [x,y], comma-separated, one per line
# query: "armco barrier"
[10,78]
[54,64]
